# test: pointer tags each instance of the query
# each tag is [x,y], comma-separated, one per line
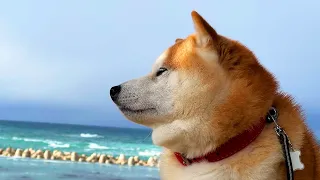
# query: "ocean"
[80,139]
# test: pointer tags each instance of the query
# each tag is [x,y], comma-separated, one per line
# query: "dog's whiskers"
[145,138]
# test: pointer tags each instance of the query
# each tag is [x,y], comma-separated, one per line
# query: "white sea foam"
[16,158]
[57,144]
[87,135]
[51,143]
[149,153]
[27,139]
[97,146]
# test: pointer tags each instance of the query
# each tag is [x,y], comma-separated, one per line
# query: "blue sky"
[58,59]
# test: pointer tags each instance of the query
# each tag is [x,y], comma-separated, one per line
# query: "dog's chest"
[202,171]
[217,171]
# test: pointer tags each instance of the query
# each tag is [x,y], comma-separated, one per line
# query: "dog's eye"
[160,71]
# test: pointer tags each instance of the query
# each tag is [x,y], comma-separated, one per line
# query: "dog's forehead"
[160,60]
[176,55]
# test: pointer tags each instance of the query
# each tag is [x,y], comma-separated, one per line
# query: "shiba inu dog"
[206,100]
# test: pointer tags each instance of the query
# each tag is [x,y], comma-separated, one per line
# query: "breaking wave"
[51,143]
[87,135]
[97,146]
[27,139]
[149,153]
[56,144]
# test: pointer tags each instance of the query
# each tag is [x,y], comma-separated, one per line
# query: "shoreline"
[58,155]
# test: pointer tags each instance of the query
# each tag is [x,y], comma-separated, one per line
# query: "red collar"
[229,148]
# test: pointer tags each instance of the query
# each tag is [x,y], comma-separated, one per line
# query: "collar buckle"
[185,161]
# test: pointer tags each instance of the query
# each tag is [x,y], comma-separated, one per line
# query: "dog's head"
[199,89]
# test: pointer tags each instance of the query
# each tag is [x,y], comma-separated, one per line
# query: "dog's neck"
[229,148]
[176,137]
[194,137]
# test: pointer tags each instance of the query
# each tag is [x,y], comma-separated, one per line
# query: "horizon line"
[88,125]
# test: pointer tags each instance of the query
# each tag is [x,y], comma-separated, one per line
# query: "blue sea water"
[32,169]
[78,138]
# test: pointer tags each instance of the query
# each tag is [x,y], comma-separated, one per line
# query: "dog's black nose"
[114,92]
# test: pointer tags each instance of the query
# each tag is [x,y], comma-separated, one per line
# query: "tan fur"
[241,91]
[206,89]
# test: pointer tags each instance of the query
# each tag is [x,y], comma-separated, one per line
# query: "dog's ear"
[178,40]
[205,34]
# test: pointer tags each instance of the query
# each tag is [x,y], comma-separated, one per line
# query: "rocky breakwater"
[75,157]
